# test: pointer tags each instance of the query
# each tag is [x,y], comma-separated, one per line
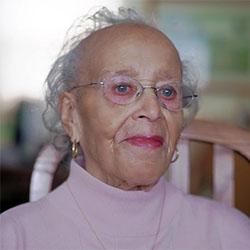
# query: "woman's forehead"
[129,49]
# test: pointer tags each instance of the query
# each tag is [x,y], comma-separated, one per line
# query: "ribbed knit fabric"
[122,219]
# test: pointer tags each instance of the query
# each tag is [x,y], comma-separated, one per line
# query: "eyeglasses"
[124,90]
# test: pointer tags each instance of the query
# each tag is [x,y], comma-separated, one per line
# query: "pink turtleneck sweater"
[110,218]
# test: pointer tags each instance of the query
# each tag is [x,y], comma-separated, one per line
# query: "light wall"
[32,33]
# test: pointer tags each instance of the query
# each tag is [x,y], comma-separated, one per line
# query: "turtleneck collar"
[123,213]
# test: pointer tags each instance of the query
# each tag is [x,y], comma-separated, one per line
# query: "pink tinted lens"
[170,97]
[120,89]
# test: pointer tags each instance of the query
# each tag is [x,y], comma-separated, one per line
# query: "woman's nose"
[148,106]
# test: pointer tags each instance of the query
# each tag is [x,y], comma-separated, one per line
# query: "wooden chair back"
[225,139]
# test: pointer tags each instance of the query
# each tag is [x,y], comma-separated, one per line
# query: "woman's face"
[127,146]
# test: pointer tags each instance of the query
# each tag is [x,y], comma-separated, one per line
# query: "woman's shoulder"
[30,213]
[33,222]
[17,222]
[26,212]
[198,206]
[231,226]
[29,210]
[202,206]
[204,222]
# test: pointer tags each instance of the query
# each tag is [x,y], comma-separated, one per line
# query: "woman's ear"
[68,112]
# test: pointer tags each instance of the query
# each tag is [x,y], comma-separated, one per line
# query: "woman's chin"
[144,176]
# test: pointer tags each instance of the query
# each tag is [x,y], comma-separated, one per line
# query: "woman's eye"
[122,88]
[168,92]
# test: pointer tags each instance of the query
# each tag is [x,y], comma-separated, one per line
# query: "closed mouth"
[151,142]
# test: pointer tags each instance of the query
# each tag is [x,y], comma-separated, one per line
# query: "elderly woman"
[120,89]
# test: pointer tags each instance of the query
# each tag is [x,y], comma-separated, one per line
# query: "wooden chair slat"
[223,175]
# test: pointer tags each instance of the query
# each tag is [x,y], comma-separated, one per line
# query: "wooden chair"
[224,138]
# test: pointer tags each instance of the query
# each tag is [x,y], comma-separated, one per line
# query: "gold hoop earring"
[74,149]
[176,156]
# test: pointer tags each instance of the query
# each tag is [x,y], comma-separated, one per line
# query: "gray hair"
[64,71]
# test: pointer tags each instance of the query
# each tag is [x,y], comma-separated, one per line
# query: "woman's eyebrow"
[129,71]
[126,72]
[163,75]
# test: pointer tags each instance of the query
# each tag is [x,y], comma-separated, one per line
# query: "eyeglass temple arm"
[192,96]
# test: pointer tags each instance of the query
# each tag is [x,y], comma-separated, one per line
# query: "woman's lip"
[146,141]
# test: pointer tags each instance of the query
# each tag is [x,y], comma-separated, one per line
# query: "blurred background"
[213,35]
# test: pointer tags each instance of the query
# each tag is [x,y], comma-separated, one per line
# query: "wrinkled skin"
[101,127]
